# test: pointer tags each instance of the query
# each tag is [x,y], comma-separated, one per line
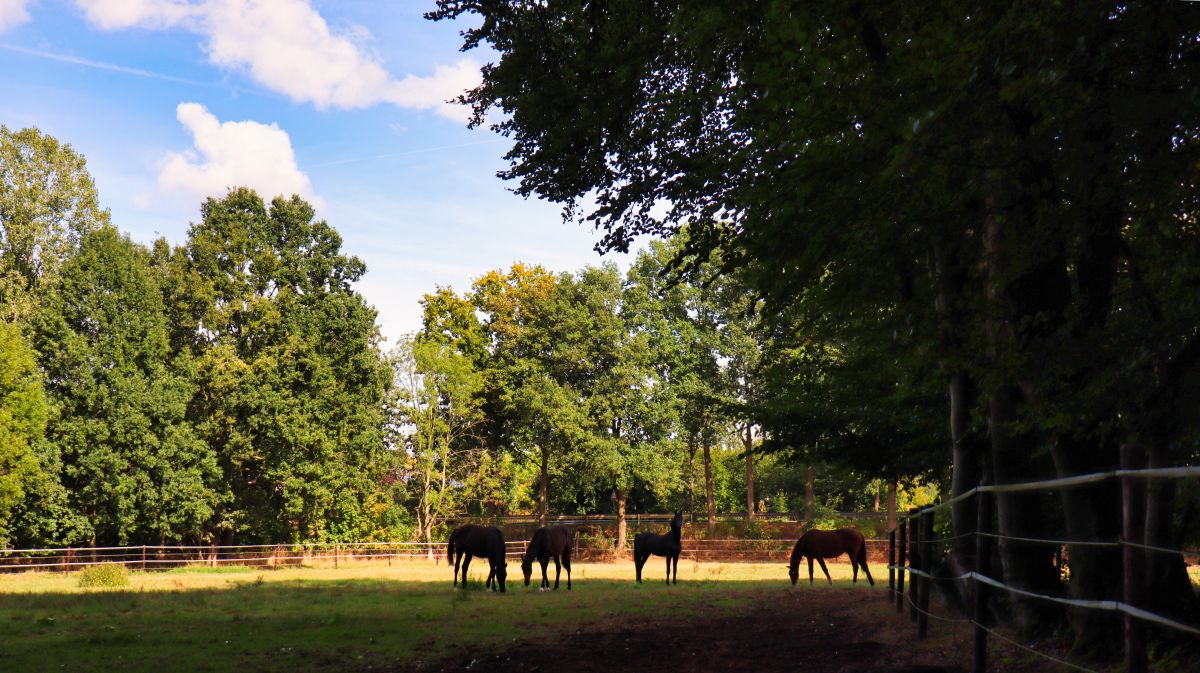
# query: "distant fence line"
[163,557]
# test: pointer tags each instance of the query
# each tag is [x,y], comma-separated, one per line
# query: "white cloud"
[12,13]
[232,154]
[287,46]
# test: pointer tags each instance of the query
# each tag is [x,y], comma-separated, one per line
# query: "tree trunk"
[809,499]
[708,485]
[1025,565]
[621,520]
[544,487]
[891,505]
[748,444]
[692,478]
[967,453]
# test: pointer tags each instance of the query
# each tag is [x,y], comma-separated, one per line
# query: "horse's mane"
[539,536]
[798,551]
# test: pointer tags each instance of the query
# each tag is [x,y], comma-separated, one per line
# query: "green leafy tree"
[288,364]
[47,203]
[23,414]
[134,467]
[437,415]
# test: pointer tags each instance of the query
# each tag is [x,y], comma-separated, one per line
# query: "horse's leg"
[853,567]
[676,574]
[557,571]
[862,561]
[466,564]
[825,570]
[457,560]
[544,562]
[810,579]
[567,564]
[668,569]
[638,562]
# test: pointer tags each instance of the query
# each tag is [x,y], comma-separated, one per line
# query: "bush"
[107,575]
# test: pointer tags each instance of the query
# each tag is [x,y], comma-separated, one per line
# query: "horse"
[823,544]
[484,542]
[667,545]
[547,543]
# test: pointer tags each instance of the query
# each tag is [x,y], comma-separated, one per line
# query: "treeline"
[232,389]
[229,388]
[607,392]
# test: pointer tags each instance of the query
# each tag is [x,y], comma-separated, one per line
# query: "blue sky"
[171,100]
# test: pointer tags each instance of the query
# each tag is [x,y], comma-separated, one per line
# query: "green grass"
[351,618]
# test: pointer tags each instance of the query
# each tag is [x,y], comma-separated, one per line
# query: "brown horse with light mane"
[823,544]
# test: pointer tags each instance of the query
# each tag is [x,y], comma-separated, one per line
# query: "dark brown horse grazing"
[553,542]
[667,545]
[823,544]
[484,542]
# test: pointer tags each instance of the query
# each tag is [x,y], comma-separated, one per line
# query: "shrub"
[107,575]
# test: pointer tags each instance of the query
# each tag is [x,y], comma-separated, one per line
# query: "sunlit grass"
[355,616]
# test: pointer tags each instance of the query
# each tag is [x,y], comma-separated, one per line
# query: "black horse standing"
[553,542]
[484,542]
[667,545]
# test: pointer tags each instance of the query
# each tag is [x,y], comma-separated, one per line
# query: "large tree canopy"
[1006,193]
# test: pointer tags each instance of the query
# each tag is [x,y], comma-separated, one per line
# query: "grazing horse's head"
[527,567]
[794,573]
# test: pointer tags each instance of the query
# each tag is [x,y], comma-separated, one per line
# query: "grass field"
[356,617]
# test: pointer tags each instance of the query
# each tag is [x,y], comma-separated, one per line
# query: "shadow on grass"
[327,624]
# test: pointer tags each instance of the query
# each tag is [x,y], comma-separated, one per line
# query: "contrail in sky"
[390,155]
[101,65]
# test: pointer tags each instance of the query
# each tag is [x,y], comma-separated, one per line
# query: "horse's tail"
[450,549]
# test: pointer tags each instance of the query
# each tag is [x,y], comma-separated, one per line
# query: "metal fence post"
[927,567]
[902,547]
[983,563]
[914,554]
[1133,496]
[891,564]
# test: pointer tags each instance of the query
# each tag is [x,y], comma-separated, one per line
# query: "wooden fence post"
[1133,496]
[927,567]
[983,566]
[914,555]
[143,558]
[335,556]
[902,547]
[891,564]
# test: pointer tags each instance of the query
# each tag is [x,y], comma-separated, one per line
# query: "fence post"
[143,558]
[983,563]
[68,568]
[902,547]
[891,564]
[335,556]
[915,560]
[927,566]
[1133,496]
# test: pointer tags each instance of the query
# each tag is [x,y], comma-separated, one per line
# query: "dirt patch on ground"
[821,631]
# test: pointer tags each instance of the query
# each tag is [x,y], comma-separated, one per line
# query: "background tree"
[23,414]
[132,464]
[290,370]
[437,413]
[47,203]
